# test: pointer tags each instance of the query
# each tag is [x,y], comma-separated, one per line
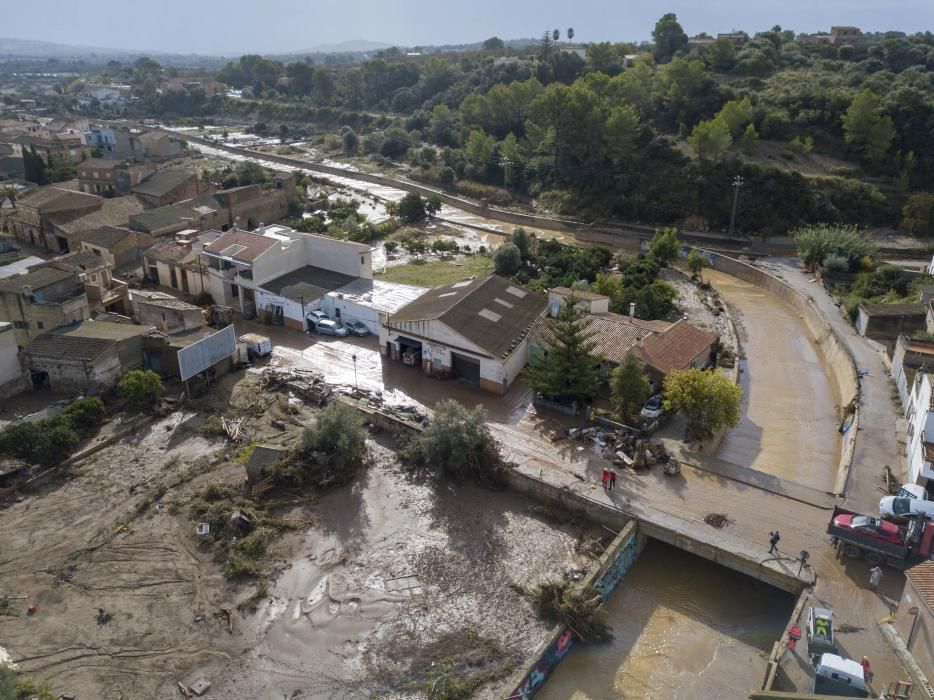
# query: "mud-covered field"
[378,587]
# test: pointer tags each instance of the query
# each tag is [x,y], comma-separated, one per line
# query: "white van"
[838,676]
[912,491]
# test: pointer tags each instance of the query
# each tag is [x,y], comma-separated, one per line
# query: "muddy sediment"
[683,627]
[790,415]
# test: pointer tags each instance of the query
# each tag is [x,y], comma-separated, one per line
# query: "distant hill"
[35,49]
[351,46]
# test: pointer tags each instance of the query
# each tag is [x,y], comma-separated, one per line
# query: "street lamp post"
[354,358]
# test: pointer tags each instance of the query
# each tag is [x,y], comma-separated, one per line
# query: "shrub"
[142,388]
[46,442]
[411,208]
[85,415]
[835,262]
[457,442]
[820,240]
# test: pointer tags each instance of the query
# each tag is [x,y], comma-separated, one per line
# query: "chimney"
[632,310]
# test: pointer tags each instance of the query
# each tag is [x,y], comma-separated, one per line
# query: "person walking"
[773,542]
[867,670]
[612,480]
[605,479]
[875,577]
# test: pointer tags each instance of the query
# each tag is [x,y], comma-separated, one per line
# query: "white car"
[893,506]
[912,491]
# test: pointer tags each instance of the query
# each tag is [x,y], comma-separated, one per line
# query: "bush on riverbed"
[580,608]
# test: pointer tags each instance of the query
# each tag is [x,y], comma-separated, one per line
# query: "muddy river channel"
[683,628]
[789,419]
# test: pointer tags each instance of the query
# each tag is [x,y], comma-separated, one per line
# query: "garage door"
[466,368]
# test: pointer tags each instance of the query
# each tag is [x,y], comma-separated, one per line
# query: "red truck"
[879,541]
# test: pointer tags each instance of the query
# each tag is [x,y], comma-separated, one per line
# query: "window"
[361,260]
[19,324]
[40,325]
[234,291]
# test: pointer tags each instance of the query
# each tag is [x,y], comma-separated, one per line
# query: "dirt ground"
[383,578]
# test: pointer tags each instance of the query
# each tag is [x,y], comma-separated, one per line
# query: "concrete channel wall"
[837,356]
[613,566]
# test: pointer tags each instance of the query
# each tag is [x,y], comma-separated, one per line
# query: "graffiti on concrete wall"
[614,573]
[559,648]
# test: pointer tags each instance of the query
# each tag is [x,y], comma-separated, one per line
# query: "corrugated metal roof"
[922,577]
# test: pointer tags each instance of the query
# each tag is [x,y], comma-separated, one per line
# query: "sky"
[235,27]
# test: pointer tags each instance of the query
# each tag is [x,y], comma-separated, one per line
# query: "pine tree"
[629,388]
[569,370]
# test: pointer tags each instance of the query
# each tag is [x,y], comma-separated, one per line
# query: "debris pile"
[626,447]
[718,520]
[577,607]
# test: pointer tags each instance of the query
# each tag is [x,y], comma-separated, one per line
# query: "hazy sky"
[234,27]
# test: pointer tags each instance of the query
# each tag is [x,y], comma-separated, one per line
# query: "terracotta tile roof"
[674,348]
[163,182]
[54,199]
[922,577]
[72,347]
[80,261]
[614,335]
[106,236]
[241,245]
[170,251]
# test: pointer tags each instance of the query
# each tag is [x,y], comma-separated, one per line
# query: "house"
[736,37]
[117,245]
[114,95]
[112,143]
[845,35]
[701,41]
[919,447]
[104,293]
[157,146]
[819,39]
[113,211]
[109,178]
[12,379]
[32,221]
[165,312]
[89,357]
[914,618]
[20,267]
[911,354]
[477,330]
[679,347]
[885,322]
[197,355]
[279,271]
[588,302]
[42,300]
[168,187]
[176,262]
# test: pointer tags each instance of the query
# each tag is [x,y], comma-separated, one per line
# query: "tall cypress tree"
[570,369]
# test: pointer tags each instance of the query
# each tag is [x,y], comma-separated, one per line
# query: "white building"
[920,443]
[12,378]
[279,273]
[369,301]
[477,330]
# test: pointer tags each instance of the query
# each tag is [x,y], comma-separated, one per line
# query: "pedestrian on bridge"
[773,542]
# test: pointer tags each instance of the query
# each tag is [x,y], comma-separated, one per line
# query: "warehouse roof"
[492,313]
[308,282]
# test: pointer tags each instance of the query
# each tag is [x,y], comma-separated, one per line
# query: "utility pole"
[737,183]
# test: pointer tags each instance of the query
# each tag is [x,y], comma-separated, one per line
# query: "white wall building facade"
[920,443]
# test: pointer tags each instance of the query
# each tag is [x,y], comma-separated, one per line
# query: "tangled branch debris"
[577,607]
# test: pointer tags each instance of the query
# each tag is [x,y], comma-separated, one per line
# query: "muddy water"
[789,419]
[702,633]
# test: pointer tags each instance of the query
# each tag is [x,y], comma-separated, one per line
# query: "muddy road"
[789,421]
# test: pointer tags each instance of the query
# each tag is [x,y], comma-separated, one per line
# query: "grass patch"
[437,272]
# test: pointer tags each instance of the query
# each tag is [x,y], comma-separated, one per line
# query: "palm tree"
[556,34]
[570,33]
[10,192]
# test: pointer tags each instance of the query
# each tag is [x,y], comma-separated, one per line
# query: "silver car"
[329,327]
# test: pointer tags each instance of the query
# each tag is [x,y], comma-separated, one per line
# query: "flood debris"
[718,520]
[578,607]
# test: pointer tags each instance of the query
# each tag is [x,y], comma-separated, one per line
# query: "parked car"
[357,328]
[653,408]
[256,345]
[875,528]
[313,317]
[412,357]
[329,327]
[895,507]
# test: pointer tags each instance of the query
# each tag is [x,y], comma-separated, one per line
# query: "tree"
[629,388]
[710,139]
[85,415]
[411,208]
[869,132]
[709,400]
[433,204]
[457,442]
[494,43]
[570,33]
[556,35]
[918,214]
[395,142]
[669,38]
[10,192]
[350,140]
[721,55]
[283,133]
[665,246]
[737,114]
[507,260]
[697,261]
[750,137]
[390,247]
[568,370]
[521,239]
[141,387]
